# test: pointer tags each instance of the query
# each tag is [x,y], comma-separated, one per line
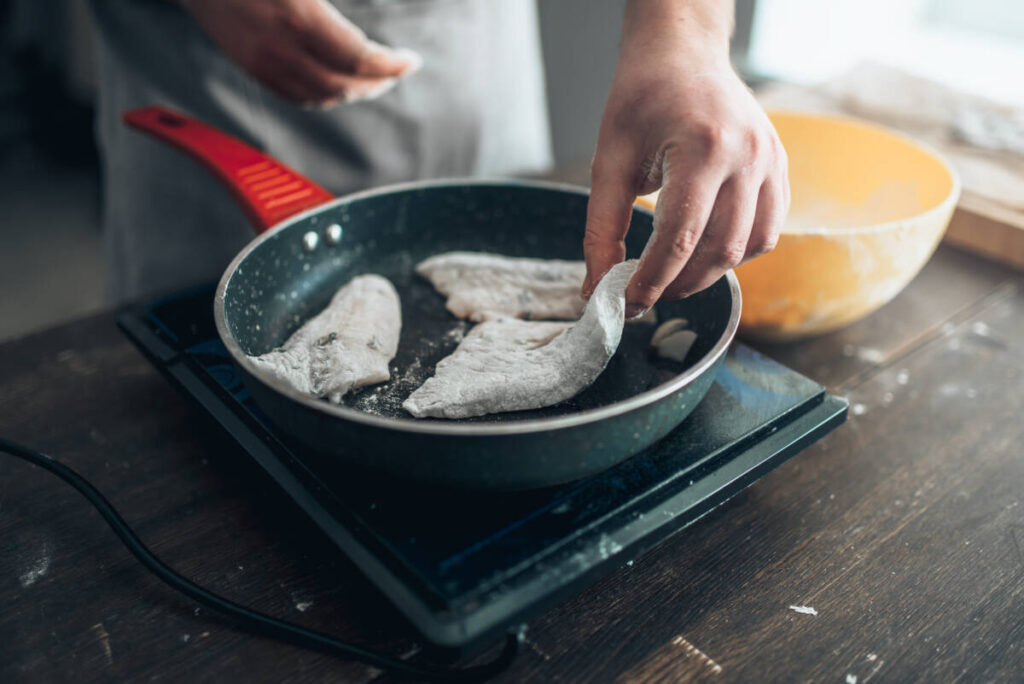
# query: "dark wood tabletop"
[903,530]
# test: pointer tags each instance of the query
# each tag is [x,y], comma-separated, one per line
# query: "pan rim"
[440,427]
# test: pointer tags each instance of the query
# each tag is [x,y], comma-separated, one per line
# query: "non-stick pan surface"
[279,282]
[289,273]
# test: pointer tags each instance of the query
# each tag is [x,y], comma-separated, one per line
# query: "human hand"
[303,50]
[680,119]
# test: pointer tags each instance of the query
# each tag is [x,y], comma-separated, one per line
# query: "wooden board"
[991,231]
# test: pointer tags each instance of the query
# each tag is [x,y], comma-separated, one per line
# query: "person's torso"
[477,106]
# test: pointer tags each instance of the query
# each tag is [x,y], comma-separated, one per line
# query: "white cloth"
[477,107]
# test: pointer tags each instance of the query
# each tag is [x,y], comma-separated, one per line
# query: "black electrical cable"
[254,621]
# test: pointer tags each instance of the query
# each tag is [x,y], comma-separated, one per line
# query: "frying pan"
[310,243]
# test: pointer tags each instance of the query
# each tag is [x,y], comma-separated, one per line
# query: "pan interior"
[279,284]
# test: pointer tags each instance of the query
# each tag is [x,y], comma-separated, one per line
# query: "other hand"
[303,50]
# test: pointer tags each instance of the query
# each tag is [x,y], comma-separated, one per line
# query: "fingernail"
[414,58]
[635,311]
[370,92]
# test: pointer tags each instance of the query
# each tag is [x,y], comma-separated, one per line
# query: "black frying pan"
[310,244]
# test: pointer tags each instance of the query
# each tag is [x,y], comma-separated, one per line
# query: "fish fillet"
[347,345]
[513,365]
[482,286]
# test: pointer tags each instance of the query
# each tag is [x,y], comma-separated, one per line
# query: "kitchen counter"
[903,530]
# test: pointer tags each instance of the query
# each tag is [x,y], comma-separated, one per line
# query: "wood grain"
[992,231]
[904,529]
[84,395]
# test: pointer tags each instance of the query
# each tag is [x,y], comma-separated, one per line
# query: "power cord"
[253,621]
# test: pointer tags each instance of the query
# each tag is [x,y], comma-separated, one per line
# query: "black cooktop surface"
[463,567]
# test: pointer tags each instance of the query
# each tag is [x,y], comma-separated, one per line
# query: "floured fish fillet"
[482,286]
[347,345]
[511,365]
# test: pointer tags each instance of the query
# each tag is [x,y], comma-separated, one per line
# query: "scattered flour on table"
[100,632]
[870,355]
[37,568]
[804,610]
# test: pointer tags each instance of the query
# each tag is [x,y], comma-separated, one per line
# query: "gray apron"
[476,108]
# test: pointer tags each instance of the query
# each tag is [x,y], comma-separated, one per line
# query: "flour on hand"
[347,345]
[513,365]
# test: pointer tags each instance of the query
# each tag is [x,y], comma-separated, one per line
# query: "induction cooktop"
[464,568]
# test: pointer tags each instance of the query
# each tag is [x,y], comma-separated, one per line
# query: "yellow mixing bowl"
[868,208]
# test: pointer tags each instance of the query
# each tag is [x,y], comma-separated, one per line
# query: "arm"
[303,50]
[680,119]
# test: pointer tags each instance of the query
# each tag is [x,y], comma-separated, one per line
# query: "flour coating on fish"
[482,286]
[513,365]
[347,345]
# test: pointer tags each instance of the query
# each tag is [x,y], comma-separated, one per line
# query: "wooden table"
[903,530]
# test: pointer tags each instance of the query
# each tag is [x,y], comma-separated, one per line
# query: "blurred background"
[947,71]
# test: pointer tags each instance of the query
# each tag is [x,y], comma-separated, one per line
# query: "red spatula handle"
[267,190]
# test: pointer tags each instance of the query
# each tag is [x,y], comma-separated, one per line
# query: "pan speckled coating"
[277,282]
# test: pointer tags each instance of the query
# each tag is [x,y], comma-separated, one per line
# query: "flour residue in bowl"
[891,202]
